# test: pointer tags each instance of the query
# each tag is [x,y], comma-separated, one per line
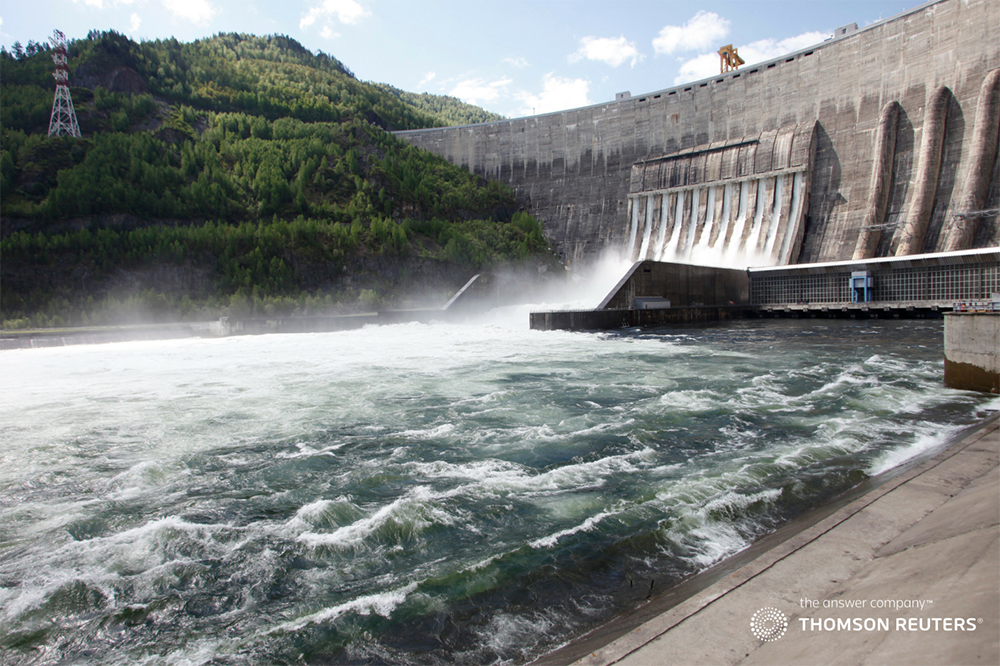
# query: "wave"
[402,519]
[585,526]
[707,532]
[498,477]
[84,576]
[703,400]
[381,603]
[926,438]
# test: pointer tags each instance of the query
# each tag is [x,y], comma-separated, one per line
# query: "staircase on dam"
[880,142]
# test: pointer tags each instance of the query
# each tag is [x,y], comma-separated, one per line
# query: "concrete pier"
[906,573]
[972,350]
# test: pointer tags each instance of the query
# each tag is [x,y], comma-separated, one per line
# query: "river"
[442,493]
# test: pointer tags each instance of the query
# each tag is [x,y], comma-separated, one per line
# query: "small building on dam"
[879,142]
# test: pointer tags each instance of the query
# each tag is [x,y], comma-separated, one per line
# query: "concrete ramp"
[461,293]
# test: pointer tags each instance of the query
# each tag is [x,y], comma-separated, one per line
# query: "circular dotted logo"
[768,624]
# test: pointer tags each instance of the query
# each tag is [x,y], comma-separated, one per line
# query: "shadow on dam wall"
[900,120]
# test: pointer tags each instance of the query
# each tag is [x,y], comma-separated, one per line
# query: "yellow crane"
[729,59]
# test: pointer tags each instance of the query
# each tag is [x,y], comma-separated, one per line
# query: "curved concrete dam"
[878,142]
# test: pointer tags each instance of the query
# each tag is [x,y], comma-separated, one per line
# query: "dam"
[879,142]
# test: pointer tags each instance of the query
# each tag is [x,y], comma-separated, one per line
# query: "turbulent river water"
[468,493]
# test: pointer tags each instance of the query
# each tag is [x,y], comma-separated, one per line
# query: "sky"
[512,57]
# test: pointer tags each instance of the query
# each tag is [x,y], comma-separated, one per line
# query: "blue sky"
[512,57]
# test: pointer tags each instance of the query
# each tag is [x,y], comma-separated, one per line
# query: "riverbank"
[921,545]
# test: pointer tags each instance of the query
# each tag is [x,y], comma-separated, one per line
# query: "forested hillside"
[450,110]
[232,175]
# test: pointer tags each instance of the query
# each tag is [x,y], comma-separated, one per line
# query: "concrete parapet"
[972,351]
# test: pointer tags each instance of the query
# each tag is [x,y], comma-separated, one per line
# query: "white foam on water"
[152,474]
[508,629]
[475,470]
[410,514]
[314,510]
[140,560]
[587,525]
[430,433]
[692,400]
[322,513]
[708,540]
[925,439]
[852,375]
[491,397]
[713,543]
[497,477]
[381,603]
[145,477]
[198,652]
[738,501]
[307,451]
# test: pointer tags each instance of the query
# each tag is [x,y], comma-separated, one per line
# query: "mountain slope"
[258,170]
[445,109]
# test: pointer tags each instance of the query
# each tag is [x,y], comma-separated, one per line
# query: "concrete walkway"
[921,546]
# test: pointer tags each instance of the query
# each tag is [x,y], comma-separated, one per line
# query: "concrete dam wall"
[879,142]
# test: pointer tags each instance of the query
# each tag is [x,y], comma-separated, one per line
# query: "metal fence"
[958,282]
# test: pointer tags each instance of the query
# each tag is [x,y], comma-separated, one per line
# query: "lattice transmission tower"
[63,120]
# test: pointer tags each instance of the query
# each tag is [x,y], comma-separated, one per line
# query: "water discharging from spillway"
[733,225]
[735,203]
[434,494]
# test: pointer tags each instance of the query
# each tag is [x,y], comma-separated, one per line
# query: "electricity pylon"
[63,120]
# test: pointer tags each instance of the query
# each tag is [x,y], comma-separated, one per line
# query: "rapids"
[473,493]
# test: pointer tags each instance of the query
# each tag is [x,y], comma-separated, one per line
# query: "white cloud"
[707,64]
[199,12]
[101,4]
[520,63]
[699,67]
[765,49]
[701,32]
[608,50]
[478,91]
[557,94]
[347,12]
[134,22]
[428,77]
[328,33]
